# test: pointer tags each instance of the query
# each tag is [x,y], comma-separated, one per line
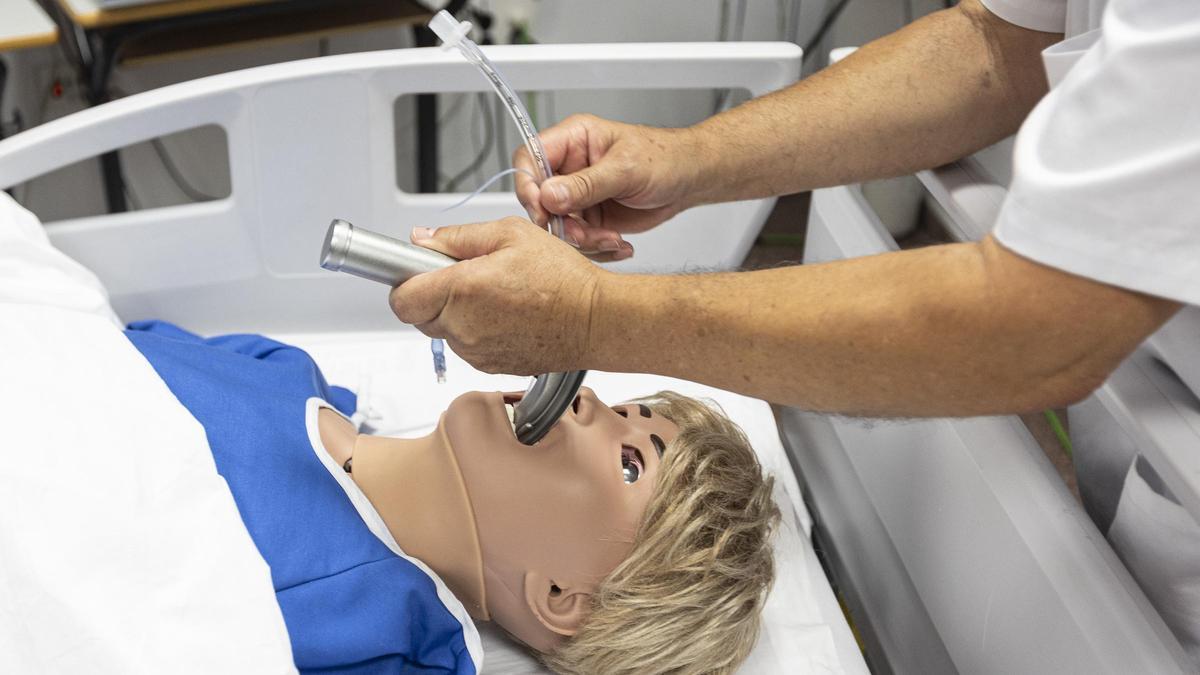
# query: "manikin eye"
[632,465]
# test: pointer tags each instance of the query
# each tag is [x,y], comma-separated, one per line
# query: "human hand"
[611,179]
[518,302]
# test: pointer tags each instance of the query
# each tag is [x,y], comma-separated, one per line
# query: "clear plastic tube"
[453,35]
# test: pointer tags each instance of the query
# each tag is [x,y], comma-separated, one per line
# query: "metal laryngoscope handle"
[377,257]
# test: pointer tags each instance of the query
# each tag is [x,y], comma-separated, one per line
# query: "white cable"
[486,185]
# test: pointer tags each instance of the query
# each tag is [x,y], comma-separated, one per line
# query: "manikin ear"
[560,607]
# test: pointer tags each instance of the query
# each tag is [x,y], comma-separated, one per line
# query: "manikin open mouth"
[510,410]
[512,398]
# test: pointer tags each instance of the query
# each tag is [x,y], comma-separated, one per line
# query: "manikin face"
[554,518]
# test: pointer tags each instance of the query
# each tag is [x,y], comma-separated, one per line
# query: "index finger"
[526,188]
[557,141]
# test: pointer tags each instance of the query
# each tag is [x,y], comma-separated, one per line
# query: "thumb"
[468,241]
[584,188]
[420,300]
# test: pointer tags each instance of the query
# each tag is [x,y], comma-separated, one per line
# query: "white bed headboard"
[313,140]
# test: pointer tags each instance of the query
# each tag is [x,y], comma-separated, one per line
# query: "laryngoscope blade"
[390,261]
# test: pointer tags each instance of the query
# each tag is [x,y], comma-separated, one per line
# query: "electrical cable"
[127,188]
[173,171]
[453,108]
[793,31]
[129,196]
[826,24]
[486,185]
[489,139]
[1060,433]
[177,176]
[739,21]
[736,34]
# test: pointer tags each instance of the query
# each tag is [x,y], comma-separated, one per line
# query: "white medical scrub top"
[1105,168]
[1071,17]
[1106,185]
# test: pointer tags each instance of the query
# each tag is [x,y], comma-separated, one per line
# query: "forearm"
[938,89]
[965,329]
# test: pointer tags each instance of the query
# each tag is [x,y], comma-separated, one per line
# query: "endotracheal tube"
[454,35]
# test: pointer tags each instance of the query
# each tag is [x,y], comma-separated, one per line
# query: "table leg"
[98,65]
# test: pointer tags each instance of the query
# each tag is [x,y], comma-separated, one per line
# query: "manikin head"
[631,539]
[554,519]
[600,542]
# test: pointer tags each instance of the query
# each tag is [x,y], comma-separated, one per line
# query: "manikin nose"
[585,393]
[585,397]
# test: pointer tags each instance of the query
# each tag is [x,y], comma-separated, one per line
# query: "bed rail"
[313,140]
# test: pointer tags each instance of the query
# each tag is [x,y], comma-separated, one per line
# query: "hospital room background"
[907,546]
[43,85]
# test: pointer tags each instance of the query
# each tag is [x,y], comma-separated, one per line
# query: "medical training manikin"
[135,529]
[521,535]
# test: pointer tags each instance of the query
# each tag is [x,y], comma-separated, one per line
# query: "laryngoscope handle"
[377,257]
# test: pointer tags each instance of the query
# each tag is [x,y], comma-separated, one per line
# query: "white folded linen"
[121,549]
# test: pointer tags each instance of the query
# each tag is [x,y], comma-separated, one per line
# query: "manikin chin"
[522,535]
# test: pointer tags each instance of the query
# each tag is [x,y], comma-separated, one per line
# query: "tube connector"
[449,31]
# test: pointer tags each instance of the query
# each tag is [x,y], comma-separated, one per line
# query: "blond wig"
[689,596]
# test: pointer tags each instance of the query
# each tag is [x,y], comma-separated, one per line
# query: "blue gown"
[350,604]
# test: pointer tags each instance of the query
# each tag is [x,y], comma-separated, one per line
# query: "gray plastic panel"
[1154,406]
[956,537]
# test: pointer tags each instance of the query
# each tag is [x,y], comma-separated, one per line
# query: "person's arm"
[965,329]
[938,89]
[962,329]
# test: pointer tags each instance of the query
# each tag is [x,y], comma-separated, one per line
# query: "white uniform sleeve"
[1048,16]
[1106,167]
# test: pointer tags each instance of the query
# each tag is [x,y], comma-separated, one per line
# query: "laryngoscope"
[391,261]
[377,257]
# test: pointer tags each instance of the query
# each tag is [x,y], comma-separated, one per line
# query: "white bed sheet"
[121,549]
[109,491]
[804,630]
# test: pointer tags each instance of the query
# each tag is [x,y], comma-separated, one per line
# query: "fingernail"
[572,240]
[419,233]
[623,254]
[609,245]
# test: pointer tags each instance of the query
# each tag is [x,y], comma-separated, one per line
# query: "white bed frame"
[954,541]
[313,140]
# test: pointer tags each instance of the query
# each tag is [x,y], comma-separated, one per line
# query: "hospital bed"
[313,140]
[954,542]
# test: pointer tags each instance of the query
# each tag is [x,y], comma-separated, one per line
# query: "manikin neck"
[416,487]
